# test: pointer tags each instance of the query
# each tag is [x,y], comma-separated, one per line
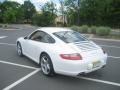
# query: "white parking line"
[1,37]
[99,81]
[15,64]
[114,57]
[110,46]
[79,77]
[7,44]
[21,80]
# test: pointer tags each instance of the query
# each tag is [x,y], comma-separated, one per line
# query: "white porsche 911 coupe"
[62,51]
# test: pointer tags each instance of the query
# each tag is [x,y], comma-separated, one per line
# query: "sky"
[37,3]
[1,0]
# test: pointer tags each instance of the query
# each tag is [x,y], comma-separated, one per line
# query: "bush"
[102,31]
[84,29]
[76,28]
[92,29]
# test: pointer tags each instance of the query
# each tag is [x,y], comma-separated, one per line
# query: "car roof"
[53,29]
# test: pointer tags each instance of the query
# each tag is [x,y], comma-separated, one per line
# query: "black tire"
[19,49]
[46,65]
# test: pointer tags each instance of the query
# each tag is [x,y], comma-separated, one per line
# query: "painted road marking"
[1,37]
[99,81]
[15,64]
[21,80]
[8,44]
[80,77]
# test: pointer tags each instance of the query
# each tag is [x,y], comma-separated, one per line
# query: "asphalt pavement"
[21,73]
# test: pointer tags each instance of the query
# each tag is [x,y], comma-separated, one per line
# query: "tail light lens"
[75,56]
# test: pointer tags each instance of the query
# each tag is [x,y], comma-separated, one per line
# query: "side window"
[37,36]
[41,37]
[48,39]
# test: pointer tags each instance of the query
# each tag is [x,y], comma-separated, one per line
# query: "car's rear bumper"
[78,67]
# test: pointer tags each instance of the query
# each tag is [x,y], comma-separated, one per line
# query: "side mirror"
[26,37]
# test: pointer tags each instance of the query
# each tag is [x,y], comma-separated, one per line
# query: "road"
[21,73]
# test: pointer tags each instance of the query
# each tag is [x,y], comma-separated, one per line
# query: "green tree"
[0,12]
[19,15]
[13,12]
[49,10]
[72,7]
[113,14]
[43,19]
[49,7]
[62,11]
[94,12]
[9,16]
[8,11]
[29,10]
[47,16]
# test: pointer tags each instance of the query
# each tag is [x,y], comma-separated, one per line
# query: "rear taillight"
[74,56]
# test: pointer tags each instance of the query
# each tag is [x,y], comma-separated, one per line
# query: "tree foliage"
[47,15]
[13,12]
[28,10]
[78,12]
[8,11]
[94,12]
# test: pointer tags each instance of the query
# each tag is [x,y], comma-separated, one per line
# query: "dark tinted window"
[70,36]
[42,37]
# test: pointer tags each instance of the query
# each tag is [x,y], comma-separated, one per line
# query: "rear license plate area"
[96,64]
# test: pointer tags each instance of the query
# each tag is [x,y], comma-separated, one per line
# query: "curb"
[11,29]
[105,39]
[92,37]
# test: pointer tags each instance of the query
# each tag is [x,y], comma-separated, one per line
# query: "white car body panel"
[33,49]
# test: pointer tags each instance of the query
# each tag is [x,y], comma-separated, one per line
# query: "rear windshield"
[70,36]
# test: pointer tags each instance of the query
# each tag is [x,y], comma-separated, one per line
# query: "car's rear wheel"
[46,65]
[19,49]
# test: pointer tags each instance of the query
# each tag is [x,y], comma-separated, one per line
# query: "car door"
[36,42]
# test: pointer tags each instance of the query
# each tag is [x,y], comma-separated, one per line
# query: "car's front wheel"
[19,49]
[46,65]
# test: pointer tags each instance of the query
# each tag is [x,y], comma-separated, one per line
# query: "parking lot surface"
[21,73]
